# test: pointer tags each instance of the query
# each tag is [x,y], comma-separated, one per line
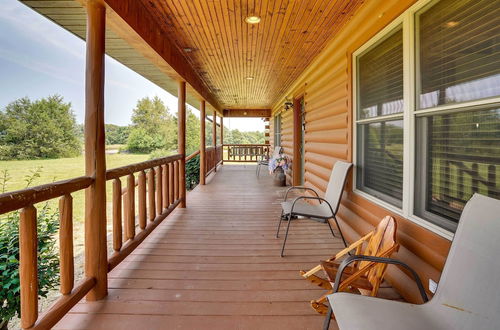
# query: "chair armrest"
[354,258]
[300,188]
[320,199]
[351,247]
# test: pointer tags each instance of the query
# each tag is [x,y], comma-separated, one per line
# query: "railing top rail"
[194,154]
[16,200]
[247,145]
[133,168]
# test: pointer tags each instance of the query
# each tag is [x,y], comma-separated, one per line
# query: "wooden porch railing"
[245,152]
[158,194]
[213,157]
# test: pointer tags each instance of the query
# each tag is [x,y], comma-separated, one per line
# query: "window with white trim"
[277,130]
[380,114]
[427,101]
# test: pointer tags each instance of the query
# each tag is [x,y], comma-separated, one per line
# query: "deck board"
[216,265]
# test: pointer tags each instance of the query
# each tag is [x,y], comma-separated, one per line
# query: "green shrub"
[192,172]
[48,259]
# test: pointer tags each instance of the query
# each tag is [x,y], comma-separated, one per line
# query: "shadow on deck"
[216,265]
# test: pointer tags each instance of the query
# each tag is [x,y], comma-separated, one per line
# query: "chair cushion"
[321,211]
[354,312]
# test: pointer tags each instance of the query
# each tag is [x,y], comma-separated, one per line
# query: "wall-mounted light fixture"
[288,105]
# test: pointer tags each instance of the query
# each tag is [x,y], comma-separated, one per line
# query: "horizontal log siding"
[326,86]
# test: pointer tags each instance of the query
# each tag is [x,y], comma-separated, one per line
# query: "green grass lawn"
[59,169]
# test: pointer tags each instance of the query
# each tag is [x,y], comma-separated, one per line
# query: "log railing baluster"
[176,180]
[151,195]
[142,199]
[164,186]
[67,266]
[28,272]
[125,214]
[159,198]
[171,179]
[117,215]
[130,206]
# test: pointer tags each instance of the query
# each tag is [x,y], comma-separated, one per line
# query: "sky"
[38,58]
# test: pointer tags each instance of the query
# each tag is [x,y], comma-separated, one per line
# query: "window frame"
[277,129]
[389,31]
[408,22]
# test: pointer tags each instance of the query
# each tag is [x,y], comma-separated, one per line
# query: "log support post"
[222,138]
[203,169]
[181,120]
[96,261]
[297,127]
[214,139]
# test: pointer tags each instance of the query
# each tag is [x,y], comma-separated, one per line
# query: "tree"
[117,134]
[45,128]
[150,113]
[236,136]
[142,141]
[193,127]
[153,126]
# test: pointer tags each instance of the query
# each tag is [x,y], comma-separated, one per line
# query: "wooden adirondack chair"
[364,277]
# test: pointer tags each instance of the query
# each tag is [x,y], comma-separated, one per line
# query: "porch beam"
[96,261]
[130,20]
[181,122]
[202,142]
[247,113]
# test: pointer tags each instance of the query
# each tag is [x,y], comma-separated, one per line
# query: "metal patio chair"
[466,298]
[322,212]
[265,160]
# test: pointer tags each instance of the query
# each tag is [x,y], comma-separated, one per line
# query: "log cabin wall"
[326,86]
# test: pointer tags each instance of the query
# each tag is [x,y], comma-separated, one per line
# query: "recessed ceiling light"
[187,49]
[451,24]
[252,19]
[249,78]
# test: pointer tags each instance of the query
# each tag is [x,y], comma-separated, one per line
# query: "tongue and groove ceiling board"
[226,50]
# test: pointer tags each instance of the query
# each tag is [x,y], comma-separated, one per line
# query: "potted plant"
[278,166]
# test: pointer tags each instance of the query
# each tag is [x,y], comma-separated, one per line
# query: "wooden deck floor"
[216,265]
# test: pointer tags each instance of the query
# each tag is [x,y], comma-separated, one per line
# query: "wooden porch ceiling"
[225,50]
[209,44]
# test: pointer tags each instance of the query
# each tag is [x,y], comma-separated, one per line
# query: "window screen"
[380,83]
[380,139]
[380,151]
[458,44]
[277,130]
[458,154]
